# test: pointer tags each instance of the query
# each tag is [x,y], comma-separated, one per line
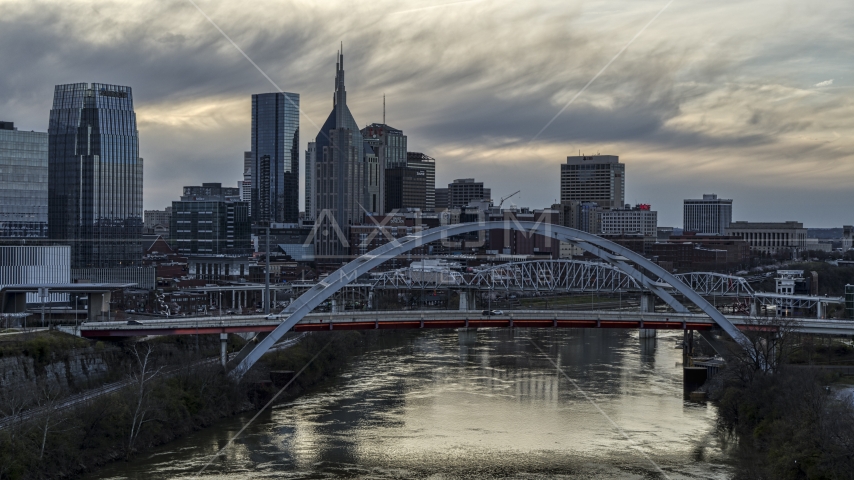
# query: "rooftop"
[769,225]
[592,159]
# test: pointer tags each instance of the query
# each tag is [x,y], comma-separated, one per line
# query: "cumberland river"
[485,404]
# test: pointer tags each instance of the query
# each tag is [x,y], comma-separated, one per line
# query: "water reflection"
[478,404]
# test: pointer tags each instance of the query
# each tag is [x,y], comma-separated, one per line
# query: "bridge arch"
[615,254]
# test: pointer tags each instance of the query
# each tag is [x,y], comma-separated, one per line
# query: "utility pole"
[267,277]
[422,266]
[489,293]
[43,295]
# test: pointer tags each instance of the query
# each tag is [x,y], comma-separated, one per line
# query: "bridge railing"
[709,284]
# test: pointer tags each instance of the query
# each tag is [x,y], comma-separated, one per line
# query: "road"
[359,320]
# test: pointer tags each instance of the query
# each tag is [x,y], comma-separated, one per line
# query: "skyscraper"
[709,215]
[245,185]
[275,134]
[385,148]
[465,190]
[419,161]
[95,175]
[390,141]
[375,195]
[310,180]
[405,187]
[595,178]
[340,175]
[23,182]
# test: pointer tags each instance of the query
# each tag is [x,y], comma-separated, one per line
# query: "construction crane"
[508,196]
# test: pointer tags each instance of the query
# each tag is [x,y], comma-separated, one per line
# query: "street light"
[489,292]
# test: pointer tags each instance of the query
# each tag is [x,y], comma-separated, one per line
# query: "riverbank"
[157,408]
[792,424]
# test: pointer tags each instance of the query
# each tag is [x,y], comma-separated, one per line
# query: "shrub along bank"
[170,396]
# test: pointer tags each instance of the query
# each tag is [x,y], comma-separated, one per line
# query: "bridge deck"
[439,319]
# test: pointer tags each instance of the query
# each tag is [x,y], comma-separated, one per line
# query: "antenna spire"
[383,109]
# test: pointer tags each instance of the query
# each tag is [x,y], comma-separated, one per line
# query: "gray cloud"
[715,96]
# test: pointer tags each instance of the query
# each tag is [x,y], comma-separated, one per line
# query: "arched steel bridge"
[616,255]
[555,276]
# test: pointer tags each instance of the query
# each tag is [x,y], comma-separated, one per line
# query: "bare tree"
[13,401]
[839,437]
[771,342]
[47,400]
[141,373]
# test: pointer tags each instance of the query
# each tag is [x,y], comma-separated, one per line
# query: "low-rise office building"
[640,219]
[29,265]
[584,216]
[211,220]
[709,215]
[157,222]
[215,268]
[737,249]
[381,230]
[516,242]
[441,199]
[687,257]
[770,238]
[463,191]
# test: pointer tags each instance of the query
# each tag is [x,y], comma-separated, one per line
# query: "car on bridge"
[492,312]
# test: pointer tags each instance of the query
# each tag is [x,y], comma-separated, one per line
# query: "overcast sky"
[751,100]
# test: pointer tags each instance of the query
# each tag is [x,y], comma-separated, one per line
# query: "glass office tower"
[275,136]
[95,175]
[23,183]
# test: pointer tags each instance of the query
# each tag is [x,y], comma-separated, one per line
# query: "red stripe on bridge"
[409,324]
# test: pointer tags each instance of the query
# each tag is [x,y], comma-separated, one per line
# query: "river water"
[473,404]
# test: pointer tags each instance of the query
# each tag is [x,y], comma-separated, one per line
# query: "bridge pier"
[98,305]
[223,355]
[467,336]
[647,305]
[467,300]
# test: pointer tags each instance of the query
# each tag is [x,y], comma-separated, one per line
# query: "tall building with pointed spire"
[339,175]
[310,180]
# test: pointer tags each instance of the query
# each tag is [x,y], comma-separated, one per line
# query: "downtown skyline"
[759,111]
